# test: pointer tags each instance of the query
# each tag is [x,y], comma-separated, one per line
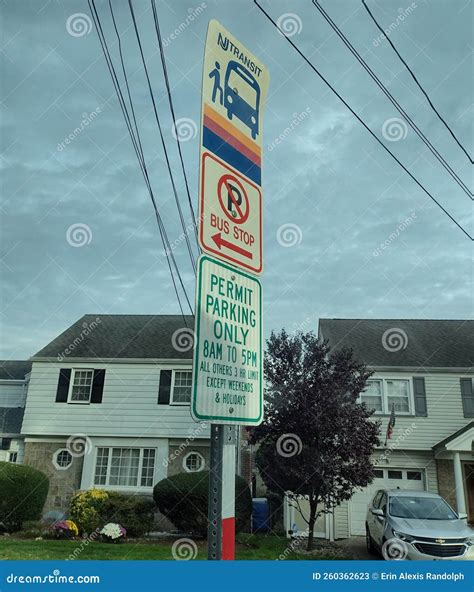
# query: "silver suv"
[403,524]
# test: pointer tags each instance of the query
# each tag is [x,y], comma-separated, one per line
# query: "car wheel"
[370,542]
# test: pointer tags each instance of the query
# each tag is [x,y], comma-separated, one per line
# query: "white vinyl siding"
[129,406]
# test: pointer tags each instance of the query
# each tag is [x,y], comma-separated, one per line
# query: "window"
[381,394]
[395,475]
[193,462]
[125,467]
[397,395]
[62,459]
[377,498]
[13,457]
[414,475]
[378,473]
[181,387]
[372,396]
[81,386]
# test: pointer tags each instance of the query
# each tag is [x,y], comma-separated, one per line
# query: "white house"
[14,376]
[108,406]
[425,369]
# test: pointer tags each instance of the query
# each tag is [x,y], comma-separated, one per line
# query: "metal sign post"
[227,367]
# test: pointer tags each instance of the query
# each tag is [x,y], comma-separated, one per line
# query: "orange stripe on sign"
[230,139]
[231,129]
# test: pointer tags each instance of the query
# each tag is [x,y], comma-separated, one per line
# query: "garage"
[385,478]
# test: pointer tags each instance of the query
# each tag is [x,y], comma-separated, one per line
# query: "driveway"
[356,546]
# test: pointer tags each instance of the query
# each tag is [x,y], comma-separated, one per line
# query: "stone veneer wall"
[446,483]
[62,483]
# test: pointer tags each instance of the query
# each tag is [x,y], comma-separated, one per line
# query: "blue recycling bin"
[260,515]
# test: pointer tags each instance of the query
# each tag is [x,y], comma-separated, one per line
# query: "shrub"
[23,492]
[183,499]
[87,509]
[94,508]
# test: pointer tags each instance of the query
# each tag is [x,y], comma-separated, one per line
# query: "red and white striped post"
[228,493]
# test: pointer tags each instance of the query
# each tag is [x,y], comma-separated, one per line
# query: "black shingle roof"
[10,420]
[420,343]
[121,336]
[14,369]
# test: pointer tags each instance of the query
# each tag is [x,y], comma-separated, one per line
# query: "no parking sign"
[231,215]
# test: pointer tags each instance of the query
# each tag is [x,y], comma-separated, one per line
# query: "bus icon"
[242,96]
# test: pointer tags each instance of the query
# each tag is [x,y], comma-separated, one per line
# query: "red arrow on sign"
[221,242]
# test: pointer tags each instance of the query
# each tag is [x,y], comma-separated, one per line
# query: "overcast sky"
[332,196]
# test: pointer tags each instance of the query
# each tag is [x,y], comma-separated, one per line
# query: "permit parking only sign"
[227,369]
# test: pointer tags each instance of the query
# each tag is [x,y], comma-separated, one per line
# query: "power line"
[170,101]
[170,172]
[166,244]
[397,105]
[313,67]
[418,84]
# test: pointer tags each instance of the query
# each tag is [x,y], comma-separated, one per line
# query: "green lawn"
[248,547]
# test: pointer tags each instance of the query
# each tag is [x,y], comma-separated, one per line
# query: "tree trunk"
[313,506]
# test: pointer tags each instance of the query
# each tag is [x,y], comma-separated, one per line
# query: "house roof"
[10,420]
[123,336]
[14,369]
[404,343]
[455,435]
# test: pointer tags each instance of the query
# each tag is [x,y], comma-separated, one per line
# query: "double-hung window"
[181,387]
[125,467]
[382,394]
[80,387]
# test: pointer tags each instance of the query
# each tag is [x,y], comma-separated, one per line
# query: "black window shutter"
[165,387]
[467,395]
[63,385]
[419,392]
[97,386]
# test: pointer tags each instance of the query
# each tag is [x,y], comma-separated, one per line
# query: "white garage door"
[385,478]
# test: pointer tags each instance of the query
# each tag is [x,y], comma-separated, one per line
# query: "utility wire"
[166,244]
[170,172]
[170,101]
[418,84]
[313,67]
[395,103]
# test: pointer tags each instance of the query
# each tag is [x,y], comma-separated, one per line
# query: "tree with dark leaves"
[316,439]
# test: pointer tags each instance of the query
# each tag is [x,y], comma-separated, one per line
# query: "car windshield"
[421,508]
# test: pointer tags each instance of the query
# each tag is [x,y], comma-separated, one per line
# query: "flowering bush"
[87,509]
[113,532]
[65,529]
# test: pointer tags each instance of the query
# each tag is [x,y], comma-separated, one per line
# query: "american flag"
[390,425]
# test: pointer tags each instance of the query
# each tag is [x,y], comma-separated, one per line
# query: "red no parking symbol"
[233,199]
